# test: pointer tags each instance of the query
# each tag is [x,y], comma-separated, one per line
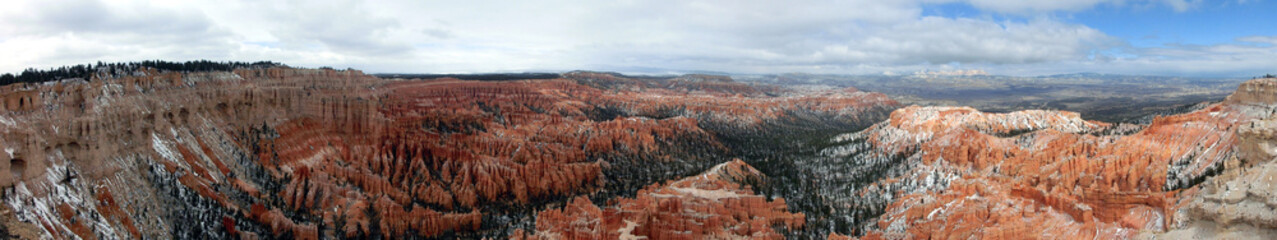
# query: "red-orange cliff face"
[1043,174]
[301,153]
[713,205]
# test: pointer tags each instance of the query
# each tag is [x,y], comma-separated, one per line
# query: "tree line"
[477,77]
[86,71]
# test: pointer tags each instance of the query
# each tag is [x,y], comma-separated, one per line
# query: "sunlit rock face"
[717,204]
[1045,174]
[301,153]
[1239,202]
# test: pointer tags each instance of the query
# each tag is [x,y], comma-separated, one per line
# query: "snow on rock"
[714,204]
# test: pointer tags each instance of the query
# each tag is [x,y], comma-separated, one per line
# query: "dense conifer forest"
[86,71]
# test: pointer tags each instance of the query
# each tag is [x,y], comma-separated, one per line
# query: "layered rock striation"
[299,153]
[1239,203]
[960,173]
[717,204]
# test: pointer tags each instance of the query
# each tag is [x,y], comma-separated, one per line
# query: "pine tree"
[86,71]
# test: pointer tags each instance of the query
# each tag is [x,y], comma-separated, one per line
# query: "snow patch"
[713,195]
[163,149]
[7,121]
[629,227]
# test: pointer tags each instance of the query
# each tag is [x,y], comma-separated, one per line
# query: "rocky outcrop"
[717,204]
[155,154]
[298,153]
[1258,92]
[1257,143]
[1238,203]
[969,174]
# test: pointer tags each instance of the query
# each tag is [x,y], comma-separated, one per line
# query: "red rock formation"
[714,204]
[1012,175]
[1237,203]
[284,152]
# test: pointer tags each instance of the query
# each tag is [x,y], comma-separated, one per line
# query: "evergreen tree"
[86,71]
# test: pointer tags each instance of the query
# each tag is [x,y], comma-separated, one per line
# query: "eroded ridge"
[716,204]
[300,153]
[1052,175]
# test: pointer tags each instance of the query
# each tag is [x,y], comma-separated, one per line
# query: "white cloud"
[1250,56]
[1021,6]
[826,36]
[1182,5]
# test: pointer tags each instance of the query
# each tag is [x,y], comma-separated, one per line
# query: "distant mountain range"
[1107,97]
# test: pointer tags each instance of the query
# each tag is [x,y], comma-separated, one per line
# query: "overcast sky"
[1014,37]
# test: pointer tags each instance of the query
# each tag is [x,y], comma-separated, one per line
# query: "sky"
[1232,38]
